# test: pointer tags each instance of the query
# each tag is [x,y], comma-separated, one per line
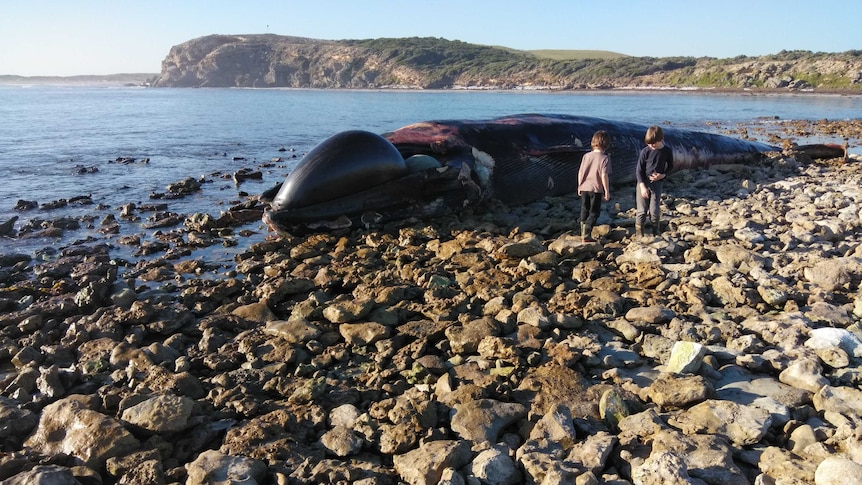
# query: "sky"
[78,37]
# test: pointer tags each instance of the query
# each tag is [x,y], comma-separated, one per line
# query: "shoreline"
[459,347]
[70,81]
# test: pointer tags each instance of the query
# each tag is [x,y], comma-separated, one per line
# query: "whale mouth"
[358,178]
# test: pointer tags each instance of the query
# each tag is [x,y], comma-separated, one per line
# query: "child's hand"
[644,192]
[607,196]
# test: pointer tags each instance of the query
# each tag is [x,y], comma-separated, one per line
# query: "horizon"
[54,38]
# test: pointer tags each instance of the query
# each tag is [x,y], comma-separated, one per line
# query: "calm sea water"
[48,134]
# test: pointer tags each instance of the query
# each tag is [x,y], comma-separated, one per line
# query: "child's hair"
[601,140]
[654,135]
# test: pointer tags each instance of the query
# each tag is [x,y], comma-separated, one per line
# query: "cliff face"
[262,61]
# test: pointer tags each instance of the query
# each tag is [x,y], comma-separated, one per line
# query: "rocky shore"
[494,348]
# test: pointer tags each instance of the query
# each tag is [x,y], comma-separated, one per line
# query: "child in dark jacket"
[655,161]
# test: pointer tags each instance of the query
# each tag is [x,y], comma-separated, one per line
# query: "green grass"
[573,55]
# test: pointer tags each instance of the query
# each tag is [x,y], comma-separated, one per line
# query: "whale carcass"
[356,178]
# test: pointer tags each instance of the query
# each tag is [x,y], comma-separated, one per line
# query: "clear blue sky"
[70,37]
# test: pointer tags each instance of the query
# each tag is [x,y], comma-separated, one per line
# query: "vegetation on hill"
[436,63]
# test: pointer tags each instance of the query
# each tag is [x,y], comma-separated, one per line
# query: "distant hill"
[128,79]
[268,60]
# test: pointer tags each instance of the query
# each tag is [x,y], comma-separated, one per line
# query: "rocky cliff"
[262,61]
[277,61]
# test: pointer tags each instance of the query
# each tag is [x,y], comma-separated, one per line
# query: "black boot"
[656,227]
[586,232]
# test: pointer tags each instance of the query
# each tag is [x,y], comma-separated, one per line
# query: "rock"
[707,457]
[786,466]
[804,374]
[15,423]
[139,467]
[495,467]
[743,425]
[294,331]
[827,337]
[212,466]
[653,315]
[837,471]
[257,312]
[426,464]
[345,415]
[844,400]
[161,414]
[670,391]
[341,441]
[556,427]
[348,310]
[483,420]
[43,475]
[69,426]
[522,249]
[593,452]
[664,468]
[833,274]
[465,339]
[612,408]
[363,333]
[685,357]
[801,437]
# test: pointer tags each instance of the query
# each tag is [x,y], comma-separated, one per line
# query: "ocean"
[121,144]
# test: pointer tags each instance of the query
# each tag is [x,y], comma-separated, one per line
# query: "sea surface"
[62,142]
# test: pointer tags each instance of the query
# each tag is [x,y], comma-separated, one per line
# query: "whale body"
[356,178]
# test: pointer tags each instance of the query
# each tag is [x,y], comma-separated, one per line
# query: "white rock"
[838,471]
[685,357]
[825,337]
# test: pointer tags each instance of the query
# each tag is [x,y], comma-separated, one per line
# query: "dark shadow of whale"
[358,178]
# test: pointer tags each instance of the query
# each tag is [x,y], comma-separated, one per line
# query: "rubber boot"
[656,227]
[587,233]
[639,225]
